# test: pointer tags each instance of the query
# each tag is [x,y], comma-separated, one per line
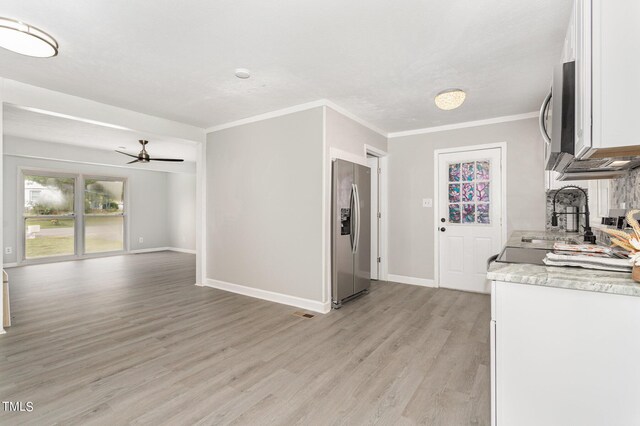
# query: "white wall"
[149,192]
[411,226]
[181,201]
[264,206]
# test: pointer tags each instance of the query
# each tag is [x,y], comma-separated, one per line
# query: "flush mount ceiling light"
[26,40]
[450,99]
[243,73]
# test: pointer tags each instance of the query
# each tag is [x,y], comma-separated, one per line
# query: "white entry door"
[469,217]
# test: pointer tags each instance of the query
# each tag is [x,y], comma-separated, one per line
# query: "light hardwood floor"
[130,339]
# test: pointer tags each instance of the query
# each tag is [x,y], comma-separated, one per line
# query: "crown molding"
[267,115]
[294,109]
[464,125]
[346,113]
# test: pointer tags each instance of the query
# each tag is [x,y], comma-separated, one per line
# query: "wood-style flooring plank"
[132,340]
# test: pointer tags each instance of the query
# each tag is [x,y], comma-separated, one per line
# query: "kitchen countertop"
[560,277]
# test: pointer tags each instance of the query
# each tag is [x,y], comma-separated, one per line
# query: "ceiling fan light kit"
[26,39]
[143,156]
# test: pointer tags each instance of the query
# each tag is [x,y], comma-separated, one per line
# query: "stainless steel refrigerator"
[350,231]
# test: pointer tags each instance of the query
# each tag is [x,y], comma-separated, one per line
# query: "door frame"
[436,199]
[383,191]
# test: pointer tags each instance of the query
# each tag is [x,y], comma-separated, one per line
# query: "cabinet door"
[616,73]
[583,77]
[566,357]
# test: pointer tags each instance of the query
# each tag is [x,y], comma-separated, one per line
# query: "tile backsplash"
[625,190]
[568,197]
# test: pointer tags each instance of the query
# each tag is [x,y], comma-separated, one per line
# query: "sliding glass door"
[49,216]
[66,216]
[103,215]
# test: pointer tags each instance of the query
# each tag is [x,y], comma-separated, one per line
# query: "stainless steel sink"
[545,240]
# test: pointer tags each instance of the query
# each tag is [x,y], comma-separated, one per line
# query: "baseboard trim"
[299,302]
[423,282]
[149,250]
[181,250]
[9,265]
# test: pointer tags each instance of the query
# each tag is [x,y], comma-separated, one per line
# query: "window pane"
[44,195]
[454,213]
[49,237]
[468,213]
[483,213]
[467,171]
[103,196]
[454,192]
[454,172]
[467,192]
[103,233]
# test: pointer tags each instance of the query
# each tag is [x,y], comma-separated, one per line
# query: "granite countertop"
[560,277]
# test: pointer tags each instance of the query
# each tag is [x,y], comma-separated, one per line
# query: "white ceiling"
[48,128]
[383,61]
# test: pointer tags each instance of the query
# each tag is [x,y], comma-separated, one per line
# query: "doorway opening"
[377,161]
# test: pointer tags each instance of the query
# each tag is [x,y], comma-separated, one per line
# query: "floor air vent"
[303,314]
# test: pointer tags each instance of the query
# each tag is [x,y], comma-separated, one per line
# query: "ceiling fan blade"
[166,159]
[130,155]
[134,161]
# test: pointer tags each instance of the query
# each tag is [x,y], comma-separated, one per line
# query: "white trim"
[294,109]
[181,250]
[299,302]
[148,250]
[383,163]
[10,265]
[354,117]
[423,282]
[336,153]
[326,214]
[466,124]
[376,152]
[267,115]
[436,203]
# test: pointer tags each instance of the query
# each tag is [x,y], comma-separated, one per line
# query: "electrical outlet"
[8,250]
[427,202]
[140,240]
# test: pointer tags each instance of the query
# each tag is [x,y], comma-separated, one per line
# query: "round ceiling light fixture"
[243,73]
[450,99]
[26,39]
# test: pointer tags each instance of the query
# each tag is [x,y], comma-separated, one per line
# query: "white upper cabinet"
[605,37]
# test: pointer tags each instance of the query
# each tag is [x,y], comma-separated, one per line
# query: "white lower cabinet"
[564,357]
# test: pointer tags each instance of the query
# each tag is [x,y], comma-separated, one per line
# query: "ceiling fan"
[143,156]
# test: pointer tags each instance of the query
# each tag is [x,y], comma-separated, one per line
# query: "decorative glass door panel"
[470,192]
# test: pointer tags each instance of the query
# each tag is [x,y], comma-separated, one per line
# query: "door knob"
[443,229]
[443,220]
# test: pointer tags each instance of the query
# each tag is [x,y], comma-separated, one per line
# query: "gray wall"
[181,211]
[149,193]
[411,226]
[350,136]
[264,205]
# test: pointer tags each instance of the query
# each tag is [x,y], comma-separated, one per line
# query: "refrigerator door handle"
[353,218]
[357,212]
